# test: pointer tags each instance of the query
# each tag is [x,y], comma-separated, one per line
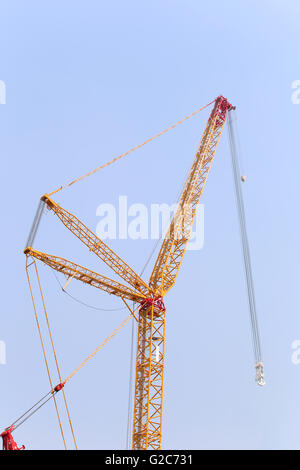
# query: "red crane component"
[8,441]
[156,302]
[150,353]
[59,387]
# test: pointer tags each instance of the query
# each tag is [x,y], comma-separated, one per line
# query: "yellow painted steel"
[87,276]
[150,356]
[177,237]
[147,420]
[97,246]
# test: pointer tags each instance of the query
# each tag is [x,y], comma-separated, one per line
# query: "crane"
[150,353]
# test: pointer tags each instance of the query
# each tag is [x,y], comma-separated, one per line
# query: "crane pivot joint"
[156,302]
[58,387]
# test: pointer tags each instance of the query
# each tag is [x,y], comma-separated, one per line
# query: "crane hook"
[260,374]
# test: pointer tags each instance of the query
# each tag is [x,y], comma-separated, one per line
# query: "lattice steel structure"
[148,402]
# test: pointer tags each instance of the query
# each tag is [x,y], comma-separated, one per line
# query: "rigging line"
[26,412]
[99,347]
[250,284]
[246,254]
[55,355]
[33,412]
[251,288]
[53,391]
[44,352]
[83,303]
[244,247]
[129,151]
[242,222]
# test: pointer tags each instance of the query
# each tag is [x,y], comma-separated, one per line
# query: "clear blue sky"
[88,80]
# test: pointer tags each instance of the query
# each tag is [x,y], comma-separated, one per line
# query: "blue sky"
[86,81]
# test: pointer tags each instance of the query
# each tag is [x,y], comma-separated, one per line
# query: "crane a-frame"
[150,355]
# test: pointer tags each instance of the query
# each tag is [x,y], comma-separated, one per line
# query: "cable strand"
[130,151]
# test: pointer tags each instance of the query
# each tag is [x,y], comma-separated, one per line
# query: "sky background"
[86,81]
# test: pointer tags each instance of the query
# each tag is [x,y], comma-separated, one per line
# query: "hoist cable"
[129,151]
[245,244]
[54,352]
[246,253]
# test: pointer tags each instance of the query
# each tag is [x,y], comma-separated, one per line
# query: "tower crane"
[150,352]
[150,356]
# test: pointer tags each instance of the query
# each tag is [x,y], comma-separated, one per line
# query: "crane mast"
[150,356]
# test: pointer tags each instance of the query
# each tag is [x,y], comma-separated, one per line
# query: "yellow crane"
[150,355]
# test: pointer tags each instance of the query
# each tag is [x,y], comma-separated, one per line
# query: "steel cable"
[245,248]
[130,151]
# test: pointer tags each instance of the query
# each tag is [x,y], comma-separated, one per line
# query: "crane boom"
[75,271]
[175,242]
[150,356]
[97,246]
